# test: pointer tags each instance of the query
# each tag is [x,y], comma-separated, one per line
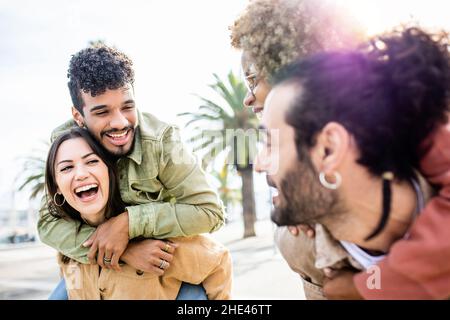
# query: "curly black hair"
[96,69]
[390,94]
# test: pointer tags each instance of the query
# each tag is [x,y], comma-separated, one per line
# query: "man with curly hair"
[354,127]
[164,185]
[271,34]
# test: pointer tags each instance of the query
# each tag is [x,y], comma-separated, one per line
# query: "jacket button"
[139,272]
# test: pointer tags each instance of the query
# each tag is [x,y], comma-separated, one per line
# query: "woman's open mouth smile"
[87,193]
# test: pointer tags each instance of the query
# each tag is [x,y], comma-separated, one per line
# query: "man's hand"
[110,240]
[308,230]
[339,285]
[146,255]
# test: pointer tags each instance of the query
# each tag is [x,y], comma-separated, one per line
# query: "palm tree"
[229,195]
[231,132]
[33,174]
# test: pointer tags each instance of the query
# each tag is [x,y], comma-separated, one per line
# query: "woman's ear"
[333,143]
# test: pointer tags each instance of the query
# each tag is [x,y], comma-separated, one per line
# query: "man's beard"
[120,152]
[302,199]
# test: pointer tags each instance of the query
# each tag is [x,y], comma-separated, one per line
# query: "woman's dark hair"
[114,205]
[389,94]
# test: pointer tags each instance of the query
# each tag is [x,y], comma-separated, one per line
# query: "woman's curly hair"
[277,32]
[96,69]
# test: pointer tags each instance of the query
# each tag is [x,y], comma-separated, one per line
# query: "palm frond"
[219,113]
[31,180]
[213,152]
[232,91]
[32,175]
[231,98]
[201,117]
[37,189]
[215,105]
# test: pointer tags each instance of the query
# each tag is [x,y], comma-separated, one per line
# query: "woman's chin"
[93,218]
[92,210]
[93,214]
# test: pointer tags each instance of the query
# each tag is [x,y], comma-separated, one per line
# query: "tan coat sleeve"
[218,284]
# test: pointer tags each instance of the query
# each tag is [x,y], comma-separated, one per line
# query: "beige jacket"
[197,260]
[308,257]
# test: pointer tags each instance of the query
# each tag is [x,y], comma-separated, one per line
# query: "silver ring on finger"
[163,264]
[106,260]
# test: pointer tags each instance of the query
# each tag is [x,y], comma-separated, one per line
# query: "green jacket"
[163,184]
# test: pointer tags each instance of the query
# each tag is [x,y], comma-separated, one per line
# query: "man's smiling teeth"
[117,135]
[85,188]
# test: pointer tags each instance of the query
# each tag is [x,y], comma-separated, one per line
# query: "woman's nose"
[249,99]
[81,173]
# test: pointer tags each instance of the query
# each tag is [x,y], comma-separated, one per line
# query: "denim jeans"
[187,292]
[59,293]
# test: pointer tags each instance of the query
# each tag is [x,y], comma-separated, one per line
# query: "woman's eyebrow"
[83,157]
[62,161]
[87,155]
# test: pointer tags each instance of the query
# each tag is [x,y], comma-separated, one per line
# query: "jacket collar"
[136,154]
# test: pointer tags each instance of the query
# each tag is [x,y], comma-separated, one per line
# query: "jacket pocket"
[145,191]
[312,291]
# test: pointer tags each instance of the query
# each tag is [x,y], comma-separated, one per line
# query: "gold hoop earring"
[54,200]
[328,185]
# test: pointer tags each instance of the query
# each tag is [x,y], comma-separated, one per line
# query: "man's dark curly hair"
[390,94]
[96,69]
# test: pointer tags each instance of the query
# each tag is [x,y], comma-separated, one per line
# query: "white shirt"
[364,258]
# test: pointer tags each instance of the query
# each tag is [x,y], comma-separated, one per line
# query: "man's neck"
[364,213]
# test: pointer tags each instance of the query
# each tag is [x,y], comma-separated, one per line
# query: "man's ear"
[78,117]
[333,143]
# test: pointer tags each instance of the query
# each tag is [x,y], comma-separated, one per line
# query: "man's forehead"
[125,91]
[127,88]
[277,104]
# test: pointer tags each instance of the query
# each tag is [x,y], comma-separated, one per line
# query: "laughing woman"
[82,185]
